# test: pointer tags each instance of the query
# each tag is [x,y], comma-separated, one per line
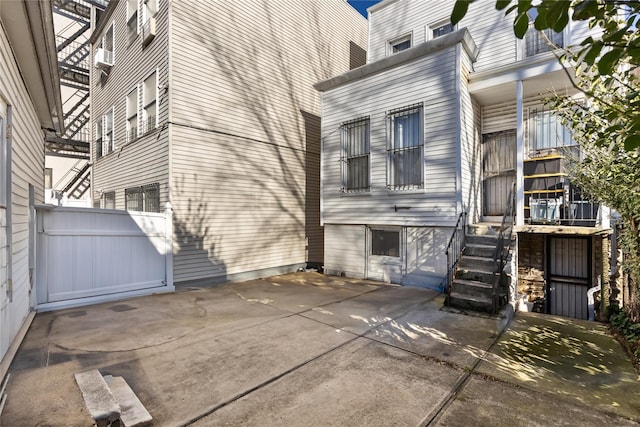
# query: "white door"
[385,254]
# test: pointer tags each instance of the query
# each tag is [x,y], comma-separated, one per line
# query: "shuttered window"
[405,148]
[355,155]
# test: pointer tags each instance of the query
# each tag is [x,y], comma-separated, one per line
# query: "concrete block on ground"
[98,398]
[134,414]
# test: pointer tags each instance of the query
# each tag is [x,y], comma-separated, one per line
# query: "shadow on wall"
[193,241]
[271,142]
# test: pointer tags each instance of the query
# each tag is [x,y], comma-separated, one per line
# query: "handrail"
[454,251]
[500,255]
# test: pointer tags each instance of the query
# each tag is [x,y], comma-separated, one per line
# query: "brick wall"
[531,262]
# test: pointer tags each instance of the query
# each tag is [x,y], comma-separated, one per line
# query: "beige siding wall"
[27,168]
[430,80]
[145,160]
[245,134]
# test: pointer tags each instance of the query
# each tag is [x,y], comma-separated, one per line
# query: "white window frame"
[347,152]
[145,119]
[130,13]
[398,230]
[399,40]
[428,29]
[103,43]
[393,149]
[132,114]
[149,10]
[108,140]
[522,43]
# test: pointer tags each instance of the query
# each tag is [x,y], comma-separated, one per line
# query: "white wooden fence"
[86,256]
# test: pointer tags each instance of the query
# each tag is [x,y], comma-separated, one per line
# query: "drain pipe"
[590,293]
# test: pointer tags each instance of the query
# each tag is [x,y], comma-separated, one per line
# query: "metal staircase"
[74,65]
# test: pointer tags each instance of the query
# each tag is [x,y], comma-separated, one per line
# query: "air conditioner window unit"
[545,211]
[103,58]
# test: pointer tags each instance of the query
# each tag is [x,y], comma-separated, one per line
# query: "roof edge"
[459,36]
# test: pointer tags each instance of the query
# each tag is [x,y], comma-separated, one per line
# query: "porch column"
[519,156]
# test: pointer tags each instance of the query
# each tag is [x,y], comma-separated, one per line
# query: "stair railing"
[502,251]
[454,251]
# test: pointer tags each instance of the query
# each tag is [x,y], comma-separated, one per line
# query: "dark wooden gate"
[569,276]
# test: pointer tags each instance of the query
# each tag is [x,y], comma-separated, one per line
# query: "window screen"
[385,243]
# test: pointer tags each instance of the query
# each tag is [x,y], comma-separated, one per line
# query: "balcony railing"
[562,206]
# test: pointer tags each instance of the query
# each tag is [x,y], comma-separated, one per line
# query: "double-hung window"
[110,200]
[149,95]
[405,169]
[132,115]
[104,134]
[536,41]
[546,131]
[132,20]
[99,137]
[107,139]
[145,198]
[355,155]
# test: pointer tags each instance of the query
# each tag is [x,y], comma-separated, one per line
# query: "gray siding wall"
[27,168]
[145,160]
[426,260]
[430,80]
[490,29]
[245,146]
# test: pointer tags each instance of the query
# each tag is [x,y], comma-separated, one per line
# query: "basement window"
[385,243]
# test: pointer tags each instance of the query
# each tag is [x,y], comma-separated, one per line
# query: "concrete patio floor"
[311,350]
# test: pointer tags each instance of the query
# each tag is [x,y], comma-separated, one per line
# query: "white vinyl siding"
[27,168]
[345,250]
[145,160]
[429,80]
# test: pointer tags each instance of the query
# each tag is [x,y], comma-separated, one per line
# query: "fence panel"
[87,255]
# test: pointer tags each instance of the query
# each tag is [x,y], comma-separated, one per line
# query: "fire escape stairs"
[78,186]
[74,65]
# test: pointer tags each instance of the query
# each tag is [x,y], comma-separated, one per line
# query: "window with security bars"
[145,198]
[405,148]
[546,131]
[355,155]
[540,41]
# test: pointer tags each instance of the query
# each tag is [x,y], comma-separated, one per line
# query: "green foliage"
[628,331]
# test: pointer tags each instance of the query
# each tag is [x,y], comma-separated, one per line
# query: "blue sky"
[362,5]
